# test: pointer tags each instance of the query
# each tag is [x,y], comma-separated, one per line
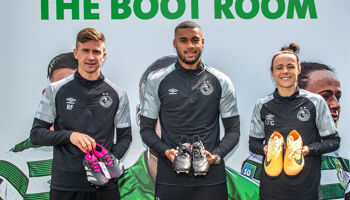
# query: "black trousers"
[178,192]
[100,194]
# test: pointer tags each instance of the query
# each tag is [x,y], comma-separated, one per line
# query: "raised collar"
[199,67]
[276,95]
[86,82]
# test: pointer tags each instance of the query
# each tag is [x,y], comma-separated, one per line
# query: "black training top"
[97,108]
[308,114]
[189,102]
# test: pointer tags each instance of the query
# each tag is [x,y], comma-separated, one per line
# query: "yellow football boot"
[273,163]
[293,158]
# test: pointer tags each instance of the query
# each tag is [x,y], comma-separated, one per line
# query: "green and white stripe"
[40,168]
[14,176]
[334,176]
[26,172]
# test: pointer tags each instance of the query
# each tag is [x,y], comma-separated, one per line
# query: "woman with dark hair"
[335,170]
[291,128]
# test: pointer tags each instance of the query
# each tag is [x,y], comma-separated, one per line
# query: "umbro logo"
[269,120]
[172,91]
[70,103]
[70,100]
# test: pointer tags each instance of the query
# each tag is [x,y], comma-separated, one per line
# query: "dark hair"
[293,48]
[64,60]
[306,69]
[88,34]
[186,24]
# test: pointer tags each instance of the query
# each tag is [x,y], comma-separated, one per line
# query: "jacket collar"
[86,82]
[199,67]
[277,96]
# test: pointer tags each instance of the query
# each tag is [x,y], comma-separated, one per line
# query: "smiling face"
[90,55]
[285,71]
[189,43]
[326,84]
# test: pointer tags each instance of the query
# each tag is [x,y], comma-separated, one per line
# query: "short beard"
[183,59]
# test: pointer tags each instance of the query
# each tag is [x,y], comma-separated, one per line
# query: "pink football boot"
[93,170]
[114,166]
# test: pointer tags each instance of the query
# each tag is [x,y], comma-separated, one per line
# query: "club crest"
[340,174]
[303,114]
[206,88]
[105,101]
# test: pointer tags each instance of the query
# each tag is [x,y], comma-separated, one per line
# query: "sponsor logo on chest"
[106,101]
[206,88]
[303,114]
[70,101]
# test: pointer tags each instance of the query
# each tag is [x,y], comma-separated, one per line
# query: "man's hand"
[82,141]
[265,150]
[170,154]
[211,157]
[305,150]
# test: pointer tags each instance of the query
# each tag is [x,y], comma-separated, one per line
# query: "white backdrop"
[240,48]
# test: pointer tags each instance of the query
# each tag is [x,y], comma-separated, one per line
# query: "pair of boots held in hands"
[293,161]
[191,156]
[101,166]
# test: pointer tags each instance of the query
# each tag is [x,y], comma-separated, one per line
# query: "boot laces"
[196,150]
[108,159]
[275,147]
[95,166]
[294,147]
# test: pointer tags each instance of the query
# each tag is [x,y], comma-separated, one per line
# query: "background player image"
[86,109]
[290,108]
[188,97]
[320,79]
[138,181]
[26,168]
